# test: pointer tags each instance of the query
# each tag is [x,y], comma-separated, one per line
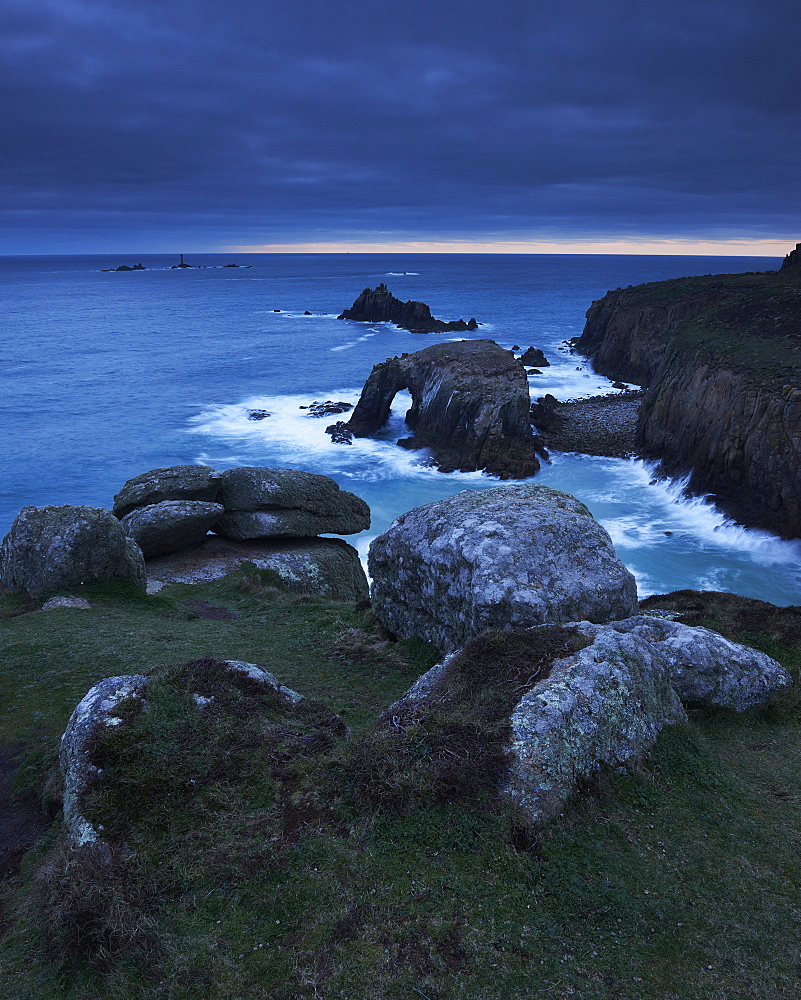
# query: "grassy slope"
[752,320]
[681,879]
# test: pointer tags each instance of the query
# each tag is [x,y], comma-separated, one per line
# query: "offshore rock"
[171,525]
[534,356]
[178,482]
[52,547]
[379,305]
[326,566]
[507,557]
[268,503]
[721,355]
[470,406]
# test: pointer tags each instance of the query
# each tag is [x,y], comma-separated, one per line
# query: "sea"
[107,374]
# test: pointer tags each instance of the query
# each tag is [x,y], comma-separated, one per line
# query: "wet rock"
[506,557]
[257,414]
[339,433]
[469,406]
[171,525]
[534,356]
[177,482]
[379,305]
[52,547]
[328,408]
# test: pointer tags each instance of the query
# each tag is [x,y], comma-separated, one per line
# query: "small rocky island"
[379,305]
[470,406]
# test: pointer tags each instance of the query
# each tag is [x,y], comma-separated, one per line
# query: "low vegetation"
[259,852]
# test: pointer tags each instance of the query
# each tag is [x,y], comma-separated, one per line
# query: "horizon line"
[650,247]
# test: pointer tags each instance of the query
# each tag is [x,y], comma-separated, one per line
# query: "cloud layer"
[249,122]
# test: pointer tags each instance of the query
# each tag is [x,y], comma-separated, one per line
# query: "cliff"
[379,305]
[470,406]
[721,356]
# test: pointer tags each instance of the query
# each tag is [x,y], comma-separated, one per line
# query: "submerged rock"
[470,406]
[339,433]
[52,547]
[505,557]
[379,305]
[177,482]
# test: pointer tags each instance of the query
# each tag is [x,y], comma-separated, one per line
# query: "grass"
[749,321]
[276,879]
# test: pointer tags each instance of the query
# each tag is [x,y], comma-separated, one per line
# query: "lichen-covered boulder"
[52,547]
[706,669]
[267,503]
[171,525]
[100,732]
[177,482]
[94,712]
[326,566]
[576,697]
[511,556]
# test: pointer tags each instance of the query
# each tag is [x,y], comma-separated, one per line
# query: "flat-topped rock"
[326,566]
[176,482]
[266,503]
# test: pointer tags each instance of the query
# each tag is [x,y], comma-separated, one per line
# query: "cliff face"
[470,406]
[722,357]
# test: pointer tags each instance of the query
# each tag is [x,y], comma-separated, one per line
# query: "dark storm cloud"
[256,122]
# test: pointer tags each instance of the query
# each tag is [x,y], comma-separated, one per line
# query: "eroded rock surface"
[52,547]
[470,406]
[268,503]
[171,525]
[326,566]
[721,356]
[588,695]
[177,482]
[95,711]
[505,557]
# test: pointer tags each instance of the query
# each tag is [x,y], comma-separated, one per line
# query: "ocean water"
[105,375]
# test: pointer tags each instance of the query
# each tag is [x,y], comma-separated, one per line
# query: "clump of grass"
[208,733]
[260,583]
[452,747]
[85,906]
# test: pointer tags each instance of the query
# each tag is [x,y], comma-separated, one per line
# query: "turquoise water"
[105,375]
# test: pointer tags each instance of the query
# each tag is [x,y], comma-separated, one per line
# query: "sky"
[324,125]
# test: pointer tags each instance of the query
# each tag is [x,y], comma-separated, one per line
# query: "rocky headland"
[470,406]
[720,356]
[379,305]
